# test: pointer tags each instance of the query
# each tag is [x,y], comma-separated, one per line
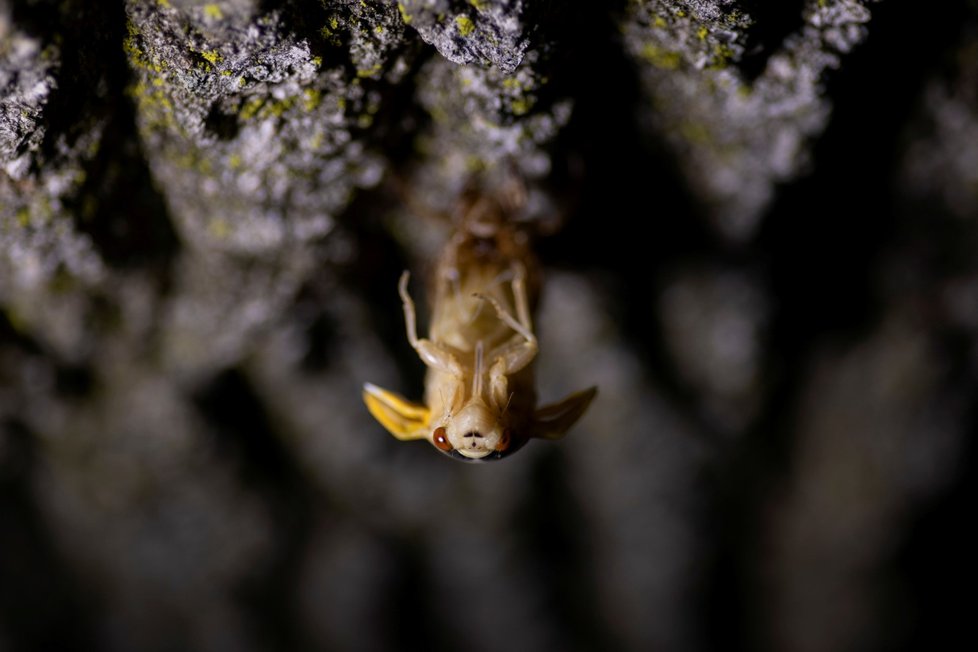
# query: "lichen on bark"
[763,258]
[737,137]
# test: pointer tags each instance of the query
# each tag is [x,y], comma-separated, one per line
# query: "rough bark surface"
[760,250]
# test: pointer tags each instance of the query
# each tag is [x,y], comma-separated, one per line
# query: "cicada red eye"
[440,439]
[504,440]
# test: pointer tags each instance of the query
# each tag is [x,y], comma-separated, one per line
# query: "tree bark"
[757,226]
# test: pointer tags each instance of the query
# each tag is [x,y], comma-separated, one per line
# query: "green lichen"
[266,107]
[465,25]
[370,72]
[329,31]
[277,109]
[696,133]
[474,164]
[154,106]
[185,160]
[312,98]
[737,19]
[137,58]
[405,16]
[219,228]
[251,108]
[213,56]
[478,4]
[521,106]
[661,58]
[722,54]
[213,11]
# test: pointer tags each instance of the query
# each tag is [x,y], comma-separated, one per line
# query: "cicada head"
[475,432]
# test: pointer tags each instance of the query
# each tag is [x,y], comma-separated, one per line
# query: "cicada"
[480,399]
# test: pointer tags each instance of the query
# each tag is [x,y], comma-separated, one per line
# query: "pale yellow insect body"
[480,399]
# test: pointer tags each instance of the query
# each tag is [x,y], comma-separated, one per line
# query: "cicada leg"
[430,353]
[516,354]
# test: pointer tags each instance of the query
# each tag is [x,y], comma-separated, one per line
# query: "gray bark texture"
[757,222]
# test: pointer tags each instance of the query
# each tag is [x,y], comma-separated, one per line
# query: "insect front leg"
[519,295]
[509,359]
[430,353]
[520,351]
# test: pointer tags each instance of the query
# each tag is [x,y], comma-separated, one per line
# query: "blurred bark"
[761,254]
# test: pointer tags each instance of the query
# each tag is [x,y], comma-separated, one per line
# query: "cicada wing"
[404,419]
[553,421]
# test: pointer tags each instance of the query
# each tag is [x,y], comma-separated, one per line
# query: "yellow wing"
[403,418]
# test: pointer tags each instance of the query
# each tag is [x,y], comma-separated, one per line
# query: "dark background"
[781,456]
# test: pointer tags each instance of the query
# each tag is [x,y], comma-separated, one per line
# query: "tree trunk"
[757,227]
